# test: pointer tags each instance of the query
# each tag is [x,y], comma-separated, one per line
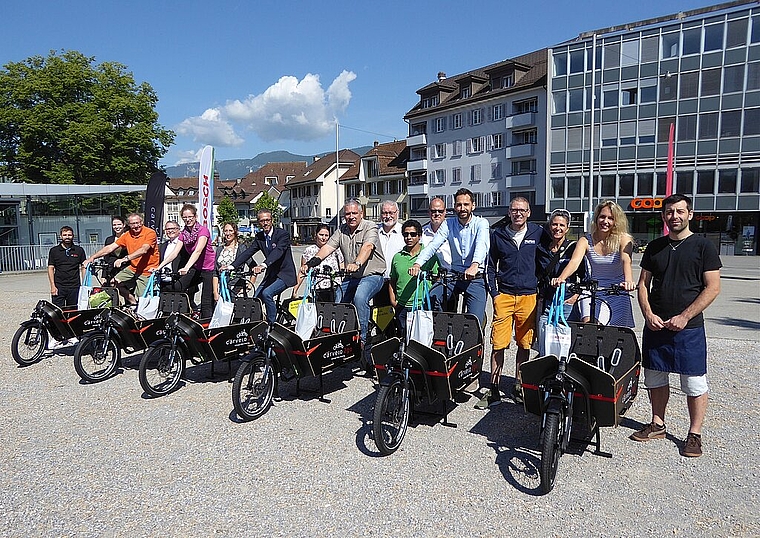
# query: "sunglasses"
[410,234]
[437,211]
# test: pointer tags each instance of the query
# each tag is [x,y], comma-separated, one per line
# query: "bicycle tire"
[391,417]
[96,357]
[551,441]
[253,389]
[29,343]
[161,369]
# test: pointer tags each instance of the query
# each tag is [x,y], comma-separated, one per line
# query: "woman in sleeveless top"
[608,250]
[226,253]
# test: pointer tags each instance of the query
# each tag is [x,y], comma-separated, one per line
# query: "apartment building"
[379,175]
[616,94]
[485,130]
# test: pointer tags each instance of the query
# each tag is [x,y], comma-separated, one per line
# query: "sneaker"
[517,395]
[649,432]
[491,398]
[692,447]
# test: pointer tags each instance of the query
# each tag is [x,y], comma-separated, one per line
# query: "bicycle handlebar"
[593,287]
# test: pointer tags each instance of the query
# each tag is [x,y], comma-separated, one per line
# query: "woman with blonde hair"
[608,250]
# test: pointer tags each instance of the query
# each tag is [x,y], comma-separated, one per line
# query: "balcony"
[521,150]
[526,119]
[522,180]
[413,166]
[416,140]
[417,189]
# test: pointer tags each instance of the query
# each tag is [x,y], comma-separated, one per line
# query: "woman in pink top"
[196,240]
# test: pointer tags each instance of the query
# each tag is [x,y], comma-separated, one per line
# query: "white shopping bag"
[306,320]
[224,307]
[83,299]
[147,305]
[419,322]
[557,337]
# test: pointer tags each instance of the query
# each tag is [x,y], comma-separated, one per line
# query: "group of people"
[517,262]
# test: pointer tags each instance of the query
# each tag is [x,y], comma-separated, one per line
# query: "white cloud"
[210,128]
[288,110]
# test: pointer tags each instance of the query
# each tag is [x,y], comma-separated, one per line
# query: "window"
[507,81]
[730,123]
[649,49]
[670,45]
[753,76]
[576,100]
[417,154]
[439,151]
[705,181]
[496,170]
[560,64]
[456,176]
[630,53]
[612,55]
[645,185]
[527,166]
[609,98]
[521,107]
[751,121]
[456,121]
[689,85]
[474,173]
[497,112]
[430,102]
[710,82]
[687,127]
[625,187]
[692,41]
[714,37]
[439,177]
[708,125]
[646,131]
[726,181]
[476,144]
[577,58]
[558,187]
[477,116]
[609,134]
[574,187]
[559,99]
[418,129]
[416,178]
[736,36]
[525,137]
[457,148]
[557,141]
[663,128]
[733,79]
[496,141]
[627,133]
[497,198]
[648,92]
[607,188]
[685,182]
[288,178]
[755,37]
[668,87]
[628,96]
[440,125]
[270,180]
[750,178]
[465,93]
[328,212]
[371,168]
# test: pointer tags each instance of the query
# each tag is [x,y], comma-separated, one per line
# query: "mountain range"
[237,168]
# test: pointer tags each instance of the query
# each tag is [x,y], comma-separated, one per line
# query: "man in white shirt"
[391,242]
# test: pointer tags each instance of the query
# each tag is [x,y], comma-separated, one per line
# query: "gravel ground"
[102,460]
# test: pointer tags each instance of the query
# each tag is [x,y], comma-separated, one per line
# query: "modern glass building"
[616,97]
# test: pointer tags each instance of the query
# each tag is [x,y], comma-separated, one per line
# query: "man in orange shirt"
[142,257]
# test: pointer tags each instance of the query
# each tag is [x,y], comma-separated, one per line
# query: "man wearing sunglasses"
[65,269]
[437,213]
[403,285]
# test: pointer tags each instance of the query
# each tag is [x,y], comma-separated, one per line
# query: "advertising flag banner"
[206,188]
[154,201]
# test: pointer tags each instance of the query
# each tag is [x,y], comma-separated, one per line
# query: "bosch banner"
[206,188]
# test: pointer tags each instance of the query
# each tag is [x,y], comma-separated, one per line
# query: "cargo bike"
[283,354]
[593,386]
[199,341]
[431,372]
[50,322]
[121,330]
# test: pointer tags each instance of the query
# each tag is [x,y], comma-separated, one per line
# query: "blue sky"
[252,76]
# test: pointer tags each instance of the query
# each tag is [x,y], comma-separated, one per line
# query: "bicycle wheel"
[550,450]
[29,343]
[391,417]
[253,389]
[161,369]
[96,357]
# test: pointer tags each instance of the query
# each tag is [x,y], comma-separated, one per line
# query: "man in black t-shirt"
[680,277]
[65,269]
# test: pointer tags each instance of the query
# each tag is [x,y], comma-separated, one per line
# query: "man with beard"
[680,277]
[65,269]
[468,239]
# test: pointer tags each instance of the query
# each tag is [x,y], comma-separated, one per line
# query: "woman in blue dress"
[608,250]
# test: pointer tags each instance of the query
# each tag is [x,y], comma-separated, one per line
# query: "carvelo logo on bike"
[240,339]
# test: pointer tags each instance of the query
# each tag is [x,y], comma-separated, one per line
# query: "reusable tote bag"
[147,305]
[557,335]
[306,320]
[83,299]
[224,306]
[419,322]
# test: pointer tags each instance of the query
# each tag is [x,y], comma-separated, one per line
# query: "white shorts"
[691,385]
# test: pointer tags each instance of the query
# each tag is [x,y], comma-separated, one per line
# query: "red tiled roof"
[321,165]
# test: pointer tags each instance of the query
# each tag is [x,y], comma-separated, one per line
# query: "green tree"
[65,120]
[226,212]
[267,201]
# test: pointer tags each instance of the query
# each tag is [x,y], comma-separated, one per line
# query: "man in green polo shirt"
[402,285]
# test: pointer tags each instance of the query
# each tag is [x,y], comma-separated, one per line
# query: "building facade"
[484,130]
[617,94]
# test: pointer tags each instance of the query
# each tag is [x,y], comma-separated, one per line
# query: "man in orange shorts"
[514,260]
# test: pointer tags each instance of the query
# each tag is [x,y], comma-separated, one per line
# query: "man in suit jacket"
[274,243]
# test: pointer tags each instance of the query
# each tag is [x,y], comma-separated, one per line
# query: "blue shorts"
[682,352]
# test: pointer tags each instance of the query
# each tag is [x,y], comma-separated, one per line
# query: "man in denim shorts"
[680,277]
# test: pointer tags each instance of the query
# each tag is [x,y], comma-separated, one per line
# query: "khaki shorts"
[132,280]
[516,312]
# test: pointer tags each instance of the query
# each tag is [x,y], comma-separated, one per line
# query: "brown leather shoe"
[649,432]
[692,447]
